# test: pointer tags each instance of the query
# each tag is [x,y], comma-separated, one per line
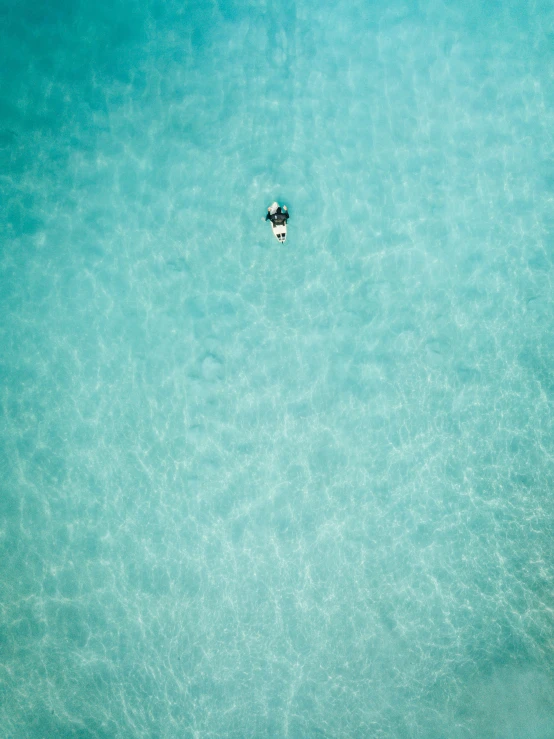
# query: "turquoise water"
[264,490]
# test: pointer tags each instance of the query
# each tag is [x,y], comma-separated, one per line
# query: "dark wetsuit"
[278,217]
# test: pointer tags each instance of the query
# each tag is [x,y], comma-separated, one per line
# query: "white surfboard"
[279,229]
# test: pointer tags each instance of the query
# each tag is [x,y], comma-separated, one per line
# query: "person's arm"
[267,216]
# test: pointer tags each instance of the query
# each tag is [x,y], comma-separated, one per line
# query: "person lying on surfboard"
[277,216]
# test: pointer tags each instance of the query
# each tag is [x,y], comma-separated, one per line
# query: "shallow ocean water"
[264,490]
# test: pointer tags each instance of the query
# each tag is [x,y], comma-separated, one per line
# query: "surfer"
[276,215]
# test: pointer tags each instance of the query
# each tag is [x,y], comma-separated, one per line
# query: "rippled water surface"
[262,490]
